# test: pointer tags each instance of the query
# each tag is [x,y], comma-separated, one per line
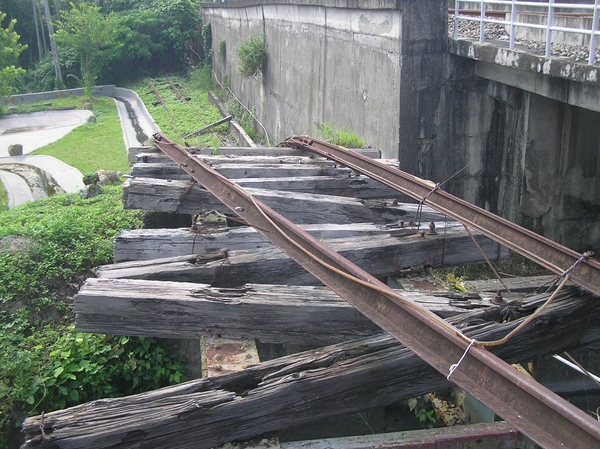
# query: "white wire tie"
[454,366]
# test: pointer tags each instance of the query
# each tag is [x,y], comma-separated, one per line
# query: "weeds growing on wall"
[253,56]
[222,50]
[207,43]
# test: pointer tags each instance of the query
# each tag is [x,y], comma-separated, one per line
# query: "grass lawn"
[92,146]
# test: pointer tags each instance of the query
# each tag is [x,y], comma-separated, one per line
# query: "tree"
[10,49]
[158,31]
[92,36]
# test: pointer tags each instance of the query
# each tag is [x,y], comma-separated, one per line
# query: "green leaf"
[84,364]
[58,371]
[74,395]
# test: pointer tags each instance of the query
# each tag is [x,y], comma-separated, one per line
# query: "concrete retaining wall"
[533,153]
[107,90]
[329,62]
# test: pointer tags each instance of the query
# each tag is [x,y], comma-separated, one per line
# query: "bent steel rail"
[581,268]
[537,412]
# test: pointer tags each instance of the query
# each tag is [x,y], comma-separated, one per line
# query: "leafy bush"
[82,367]
[70,236]
[47,248]
[56,367]
[253,56]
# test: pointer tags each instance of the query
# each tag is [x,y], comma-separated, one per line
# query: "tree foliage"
[10,49]
[149,36]
[159,32]
[92,36]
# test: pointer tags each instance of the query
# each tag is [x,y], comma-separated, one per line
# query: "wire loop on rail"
[584,256]
[455,366]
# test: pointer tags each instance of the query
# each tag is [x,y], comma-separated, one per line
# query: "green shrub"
[253,56]
[55,367]
[69,236]
[47,249]
[83,367]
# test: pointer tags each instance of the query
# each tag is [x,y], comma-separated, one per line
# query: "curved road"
[39,129]
[17,189]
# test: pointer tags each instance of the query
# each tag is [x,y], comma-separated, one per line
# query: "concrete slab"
[136,123]
[66,177]
[17,189]
[38,129]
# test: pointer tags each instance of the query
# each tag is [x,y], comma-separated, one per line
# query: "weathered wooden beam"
[233,169]
[216,158]
[378,256]
[187,198]
[347,186]
[482,435]
[298,389]
[134,152]
[302,315]
[148,244]
[159,165]
[209,127]
[293,181]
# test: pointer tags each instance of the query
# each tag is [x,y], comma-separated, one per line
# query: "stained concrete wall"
[539,164]
[511,132]
[335,62]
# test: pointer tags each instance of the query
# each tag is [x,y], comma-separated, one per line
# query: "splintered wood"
[301,388]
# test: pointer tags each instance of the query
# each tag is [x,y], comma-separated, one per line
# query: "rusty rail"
[534,410]
[582,269]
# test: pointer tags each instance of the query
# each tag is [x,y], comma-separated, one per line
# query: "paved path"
[39,129]
[66,177]
[34,131]
[17,189]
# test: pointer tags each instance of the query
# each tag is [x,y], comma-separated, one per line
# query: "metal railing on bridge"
[513,12]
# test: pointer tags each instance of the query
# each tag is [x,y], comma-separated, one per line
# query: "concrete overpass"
[524,125]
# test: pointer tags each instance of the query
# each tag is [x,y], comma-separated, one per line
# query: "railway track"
[582,269]
[202,120]
[528,406]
